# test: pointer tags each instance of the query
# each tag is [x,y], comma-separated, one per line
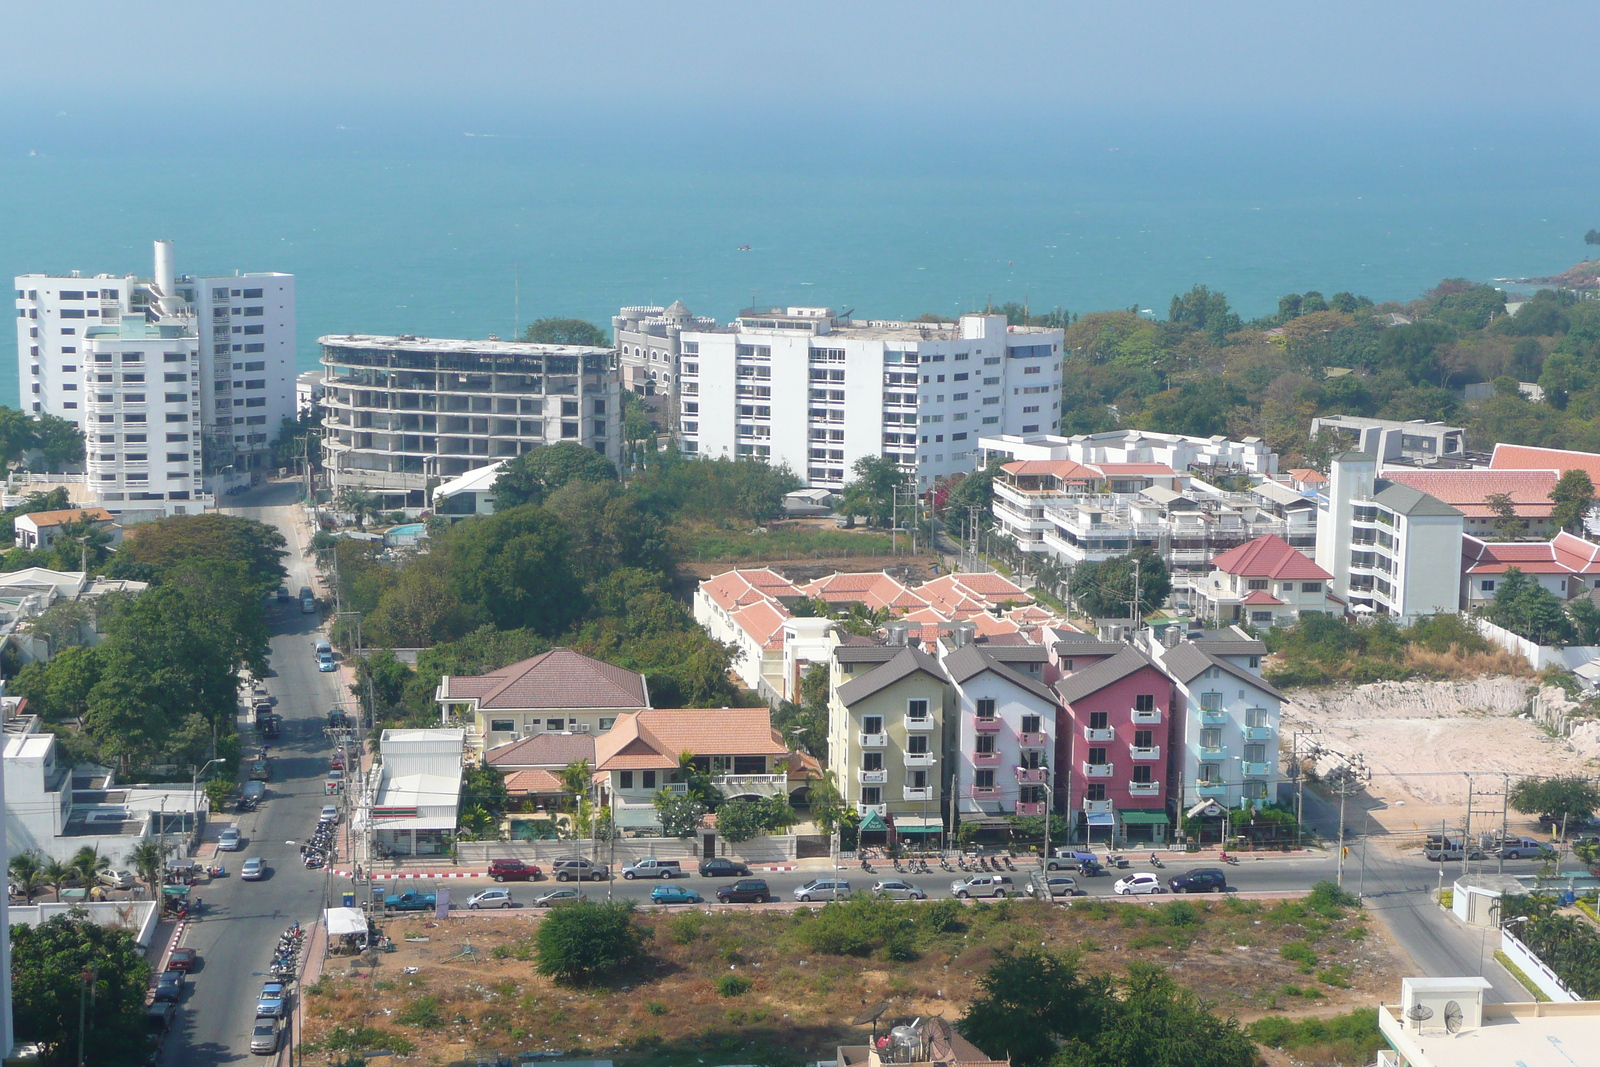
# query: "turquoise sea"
[439,236]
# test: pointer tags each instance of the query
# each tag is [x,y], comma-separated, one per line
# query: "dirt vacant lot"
[473,989]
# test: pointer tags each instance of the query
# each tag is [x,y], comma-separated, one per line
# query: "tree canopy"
[558,331]
[586,941]
[152,550]
[871,493]
[1105,590]
[532,476]
[50,964]
[1557,799]
[1573,496]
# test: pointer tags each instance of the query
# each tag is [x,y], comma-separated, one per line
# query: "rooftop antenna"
[1452,1016]
[1419,1014]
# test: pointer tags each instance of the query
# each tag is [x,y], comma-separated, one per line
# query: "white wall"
[1012,702]
[1430,579]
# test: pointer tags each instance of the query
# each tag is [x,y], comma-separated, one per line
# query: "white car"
[228,840]
[1137,885]
[117,879]
[253,870]
[491,898]
[330,813]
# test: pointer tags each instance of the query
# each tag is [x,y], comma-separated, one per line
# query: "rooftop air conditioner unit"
[583,727]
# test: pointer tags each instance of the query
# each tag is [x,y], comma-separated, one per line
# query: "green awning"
[917,829]
[872,822]
[1143,818]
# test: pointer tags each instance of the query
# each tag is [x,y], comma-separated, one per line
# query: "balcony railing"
[1213,752]
[874,740]
[1032,775]
[1092,734]
[1152,752]
[879,810]
[1211,789]
[1258,733]
[1216,717]
[1031,739]
[919,793]
[919,759]
[986,726]
[985,791]
[1097,807]
[1035,809]
[872,777]
[923,724]
[1147,717]
[1097,770]
[1143,789]
[1257,770]
[762,785]
[986,759]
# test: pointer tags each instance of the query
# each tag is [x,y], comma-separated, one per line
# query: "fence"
[626,850]
[1535,969]
[1562,657]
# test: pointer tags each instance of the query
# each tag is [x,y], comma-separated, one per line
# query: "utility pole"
[1135,616]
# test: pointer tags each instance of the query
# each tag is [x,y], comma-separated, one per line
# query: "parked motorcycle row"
[286,956]
[320,849]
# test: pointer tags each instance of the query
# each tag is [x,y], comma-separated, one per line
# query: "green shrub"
[733,985]
[857,927]
[1352,1038]
[1326,898]
[655,1007]
[1299,952]
[1180,913]
[585,941]
[1337,976]
[423,1012]
[686,927]
[941,917]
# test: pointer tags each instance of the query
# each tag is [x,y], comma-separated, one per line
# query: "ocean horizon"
[463,234]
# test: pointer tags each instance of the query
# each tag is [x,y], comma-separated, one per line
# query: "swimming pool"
[409,534]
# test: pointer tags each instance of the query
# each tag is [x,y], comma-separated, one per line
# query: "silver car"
[229,840]
[264,1037]
[491,898]
[1059,885]
[822,889]
[554,897]
[983,885]
[897,890]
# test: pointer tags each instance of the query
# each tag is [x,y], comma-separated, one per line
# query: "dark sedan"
[745,891]
[723,868]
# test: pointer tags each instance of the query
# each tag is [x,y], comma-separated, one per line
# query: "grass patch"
[1299,952]
[732,985]
[707,544]
[1447,898]
[1517,973]
[1343,1040]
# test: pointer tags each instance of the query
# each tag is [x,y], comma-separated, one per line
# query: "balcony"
[1216,717]
[1029,739]
[985,792]
[1144,789]
[986,726]
[880,810]
[924,724]
[915,794]
[1097,807]
[1211,789]
[872,777]
[1153,752]
[1210,752]
[919,759]
[752,785]
[1032,775]
[1091,734]
[1036,809]
[874,740]
[1257,770]
[1147,718]
[986,759]
[1258,733]
[1097,770]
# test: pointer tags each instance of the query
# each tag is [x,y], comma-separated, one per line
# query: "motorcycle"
[1155,861]
[1232,861]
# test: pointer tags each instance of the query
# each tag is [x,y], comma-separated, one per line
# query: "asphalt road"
[241,920]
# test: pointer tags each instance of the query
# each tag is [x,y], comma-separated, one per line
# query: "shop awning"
[917,824]
[1101,818]
[872,822]
[1144,818]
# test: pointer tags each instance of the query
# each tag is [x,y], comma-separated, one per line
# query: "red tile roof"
[1527,457]
[1269,557]
[735,588]
[1065,470]
[42,519]
[1563,554]
[875,589]
[1261,598]
[655,737]
[542,750]
[560,678]
[1307,475]
[763,621]
[1467,490]
[533,781]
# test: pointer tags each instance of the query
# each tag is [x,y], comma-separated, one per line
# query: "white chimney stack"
[164,276]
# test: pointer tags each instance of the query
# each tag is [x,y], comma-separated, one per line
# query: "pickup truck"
[1518,848]
[411,902]
[653,868]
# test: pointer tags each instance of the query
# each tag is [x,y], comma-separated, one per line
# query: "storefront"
[1145,825]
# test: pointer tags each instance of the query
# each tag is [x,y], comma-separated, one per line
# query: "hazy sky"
[855,64]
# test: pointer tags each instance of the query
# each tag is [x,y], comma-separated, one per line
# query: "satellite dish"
[871,1015]
[1452,1016]
[1419,1013]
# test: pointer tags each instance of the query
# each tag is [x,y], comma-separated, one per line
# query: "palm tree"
[56,874]
[149,859]
[88,863]
[575,779]
[24,868]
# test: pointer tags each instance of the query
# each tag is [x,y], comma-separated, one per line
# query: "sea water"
[470,236]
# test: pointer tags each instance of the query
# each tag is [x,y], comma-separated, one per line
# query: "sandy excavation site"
[1422,740]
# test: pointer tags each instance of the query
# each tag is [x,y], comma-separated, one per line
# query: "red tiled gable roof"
[1527,457]
[763,621]
[560,678]
[1467,490]
[655,737]
[533,782]
[1065,470]
[542,750]
[42,519]
[874,589]
[1269,557]
[1261,598]
[1307,475]
[1564,554]
[736,588]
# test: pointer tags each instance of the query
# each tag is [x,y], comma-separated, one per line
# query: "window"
[1255,753]
[183,457]
[919,780]
[1030,724]
[1256,718]
[255,329]
[871,794]
[872,724]
[985,707]
[1142,774]
[498,726]
[1210,701]
[1098,720]
[1144,702]
[625,780]
[1255,662]
[1487,585]
[1211,773]
[173,357]
[1097,755]
[916,709]
[872,761]
[1258,583]
[1097,791]
[917,744]
[1255,790]
[985,744]
[1211,738]
[1311,587]
[173,437]
[647,779]
[983,779]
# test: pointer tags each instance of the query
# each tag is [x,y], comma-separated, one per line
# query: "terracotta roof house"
[1560,460]
[1566,565]
[1265,582]
[641,756]
[875,590]
[749,609]
[1468,492]
[560,691]
[40,529]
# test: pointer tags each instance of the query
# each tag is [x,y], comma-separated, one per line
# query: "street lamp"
[195,786]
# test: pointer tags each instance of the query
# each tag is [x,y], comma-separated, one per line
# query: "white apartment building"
[1250,456]
[401,412]
[1391,549]
[920,393]
[241,336]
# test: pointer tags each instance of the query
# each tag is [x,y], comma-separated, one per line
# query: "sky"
[811,74]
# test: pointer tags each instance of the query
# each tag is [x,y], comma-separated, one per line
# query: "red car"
[338,763]
[183,959]
[512,871]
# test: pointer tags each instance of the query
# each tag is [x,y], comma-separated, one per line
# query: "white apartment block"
[241,338]
[818,391]
[403,412]
[1250,456]
[1392,549]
